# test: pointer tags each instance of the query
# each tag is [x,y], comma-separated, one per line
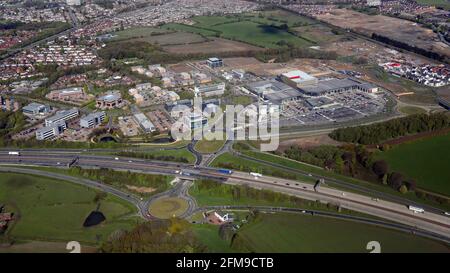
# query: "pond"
[95,218]
[108,139]
[163,140]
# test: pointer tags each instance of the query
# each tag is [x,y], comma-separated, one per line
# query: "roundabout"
[168,207]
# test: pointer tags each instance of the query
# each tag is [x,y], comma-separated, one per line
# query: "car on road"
[129,161]
[447,213]
[375,199]
[116,158]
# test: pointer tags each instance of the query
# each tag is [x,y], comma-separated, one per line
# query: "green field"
[424,160]
[137,32]
[249,28]
[301,233]
[52,210]
[438,3]
[209,236]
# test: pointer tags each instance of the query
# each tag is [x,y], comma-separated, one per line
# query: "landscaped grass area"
[425,160]
[283,232]
[411,110]
[52,210]
[242,100]
[209,146]
[169,207]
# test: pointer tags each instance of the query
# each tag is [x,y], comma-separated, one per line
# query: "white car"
[447,213]
[116,158]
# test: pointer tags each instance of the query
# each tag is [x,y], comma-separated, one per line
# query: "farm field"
[425,160]
[263,31]
[137,32]
[158,35]
[209,235]
[52,210]
[283,232]
[215,45]
[438,3]
[42,247]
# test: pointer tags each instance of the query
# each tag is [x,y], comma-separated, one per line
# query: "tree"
[395,180]
[403,189]
[380,168]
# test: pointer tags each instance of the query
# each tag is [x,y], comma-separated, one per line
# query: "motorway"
[437,223]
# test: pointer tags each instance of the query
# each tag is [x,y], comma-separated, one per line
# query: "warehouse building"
[274,91]
[92,120]
[298,79]
[330,86]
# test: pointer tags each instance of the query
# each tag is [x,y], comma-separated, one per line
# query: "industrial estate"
[95,95]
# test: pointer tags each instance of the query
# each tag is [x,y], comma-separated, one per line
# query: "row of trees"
[162,236]
[155,157]
[379,132]
[120,179]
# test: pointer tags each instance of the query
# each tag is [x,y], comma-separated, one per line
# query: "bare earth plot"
[215,46]
[397,29]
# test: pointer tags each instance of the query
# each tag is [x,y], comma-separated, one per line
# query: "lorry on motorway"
[189,172]
[13,153]
[225,171]
[256,175]
[416,209]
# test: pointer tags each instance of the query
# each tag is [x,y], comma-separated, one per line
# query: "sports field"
[300,233]
[52,210]
[165,208]
[426,161]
